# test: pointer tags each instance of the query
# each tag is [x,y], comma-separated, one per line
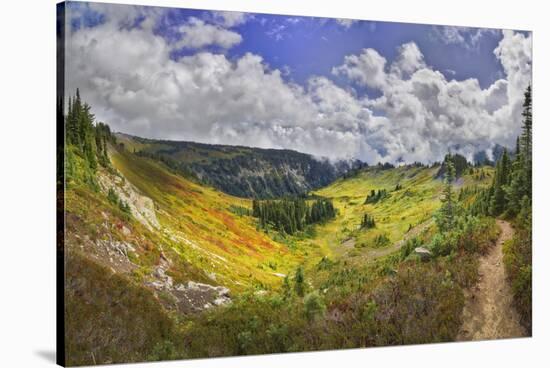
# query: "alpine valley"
[185,250]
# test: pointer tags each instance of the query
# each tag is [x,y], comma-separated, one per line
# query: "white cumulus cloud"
[196,34]
[132,83]
[230,19]
[366,69]
[346,23]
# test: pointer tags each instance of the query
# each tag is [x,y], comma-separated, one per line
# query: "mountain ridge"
[248,172]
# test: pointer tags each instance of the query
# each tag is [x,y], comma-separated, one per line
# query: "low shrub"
[128,324]
[517,261]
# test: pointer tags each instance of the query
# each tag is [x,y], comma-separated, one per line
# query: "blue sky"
[372,90]
[314,46]
[310,45]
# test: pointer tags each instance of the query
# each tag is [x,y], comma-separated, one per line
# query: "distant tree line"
[358,167]
[292,215]
[385,166]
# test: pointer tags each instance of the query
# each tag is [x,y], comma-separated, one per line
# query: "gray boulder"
[423,253]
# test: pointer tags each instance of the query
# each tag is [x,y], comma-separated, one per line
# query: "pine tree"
[527,141]
[526,136]
[255,208]
[299,281]
[521,171]
[70,124]
[501,179]
[447,211]
[368,222]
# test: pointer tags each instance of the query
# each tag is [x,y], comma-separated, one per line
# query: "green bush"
[443,244]
[112,196]
[418,303]
[517,260]
[409,247]
[314,306]
[475,235]
[469,235]
[381,241]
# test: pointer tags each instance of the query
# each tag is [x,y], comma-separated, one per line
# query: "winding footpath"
[488,312]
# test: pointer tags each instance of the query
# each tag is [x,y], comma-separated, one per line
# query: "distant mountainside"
[243,171]
[481,158]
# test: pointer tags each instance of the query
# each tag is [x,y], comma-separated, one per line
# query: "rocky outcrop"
[141,207]
[190,297]
[423,253]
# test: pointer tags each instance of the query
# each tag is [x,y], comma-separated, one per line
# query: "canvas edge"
[60,185]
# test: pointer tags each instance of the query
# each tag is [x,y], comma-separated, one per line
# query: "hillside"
[242,171]
[178,219]
[212,274]
[171,245]
[412,196]
[365,291]
[180,249]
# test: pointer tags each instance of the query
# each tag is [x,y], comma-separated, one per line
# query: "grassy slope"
[198,224]
[392,300]
[203,236]
[411,206]
[206,238]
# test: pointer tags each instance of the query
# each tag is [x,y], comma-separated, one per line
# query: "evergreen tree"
[368,222]
[446,214]
[82,132]
[291,215]
[527,134]
[521,175]
[498,200]
[255,208]
[299,281]
[71,129]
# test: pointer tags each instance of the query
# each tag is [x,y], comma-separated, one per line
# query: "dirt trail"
[488,312]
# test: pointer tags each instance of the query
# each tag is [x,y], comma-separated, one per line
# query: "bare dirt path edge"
[488,312]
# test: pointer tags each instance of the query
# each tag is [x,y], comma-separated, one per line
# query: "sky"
[334,88]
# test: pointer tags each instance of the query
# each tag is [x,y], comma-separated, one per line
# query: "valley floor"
[489,312]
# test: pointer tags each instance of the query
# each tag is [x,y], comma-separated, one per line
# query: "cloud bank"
[128,76]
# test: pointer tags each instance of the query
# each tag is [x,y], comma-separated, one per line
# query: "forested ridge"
[244,171]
